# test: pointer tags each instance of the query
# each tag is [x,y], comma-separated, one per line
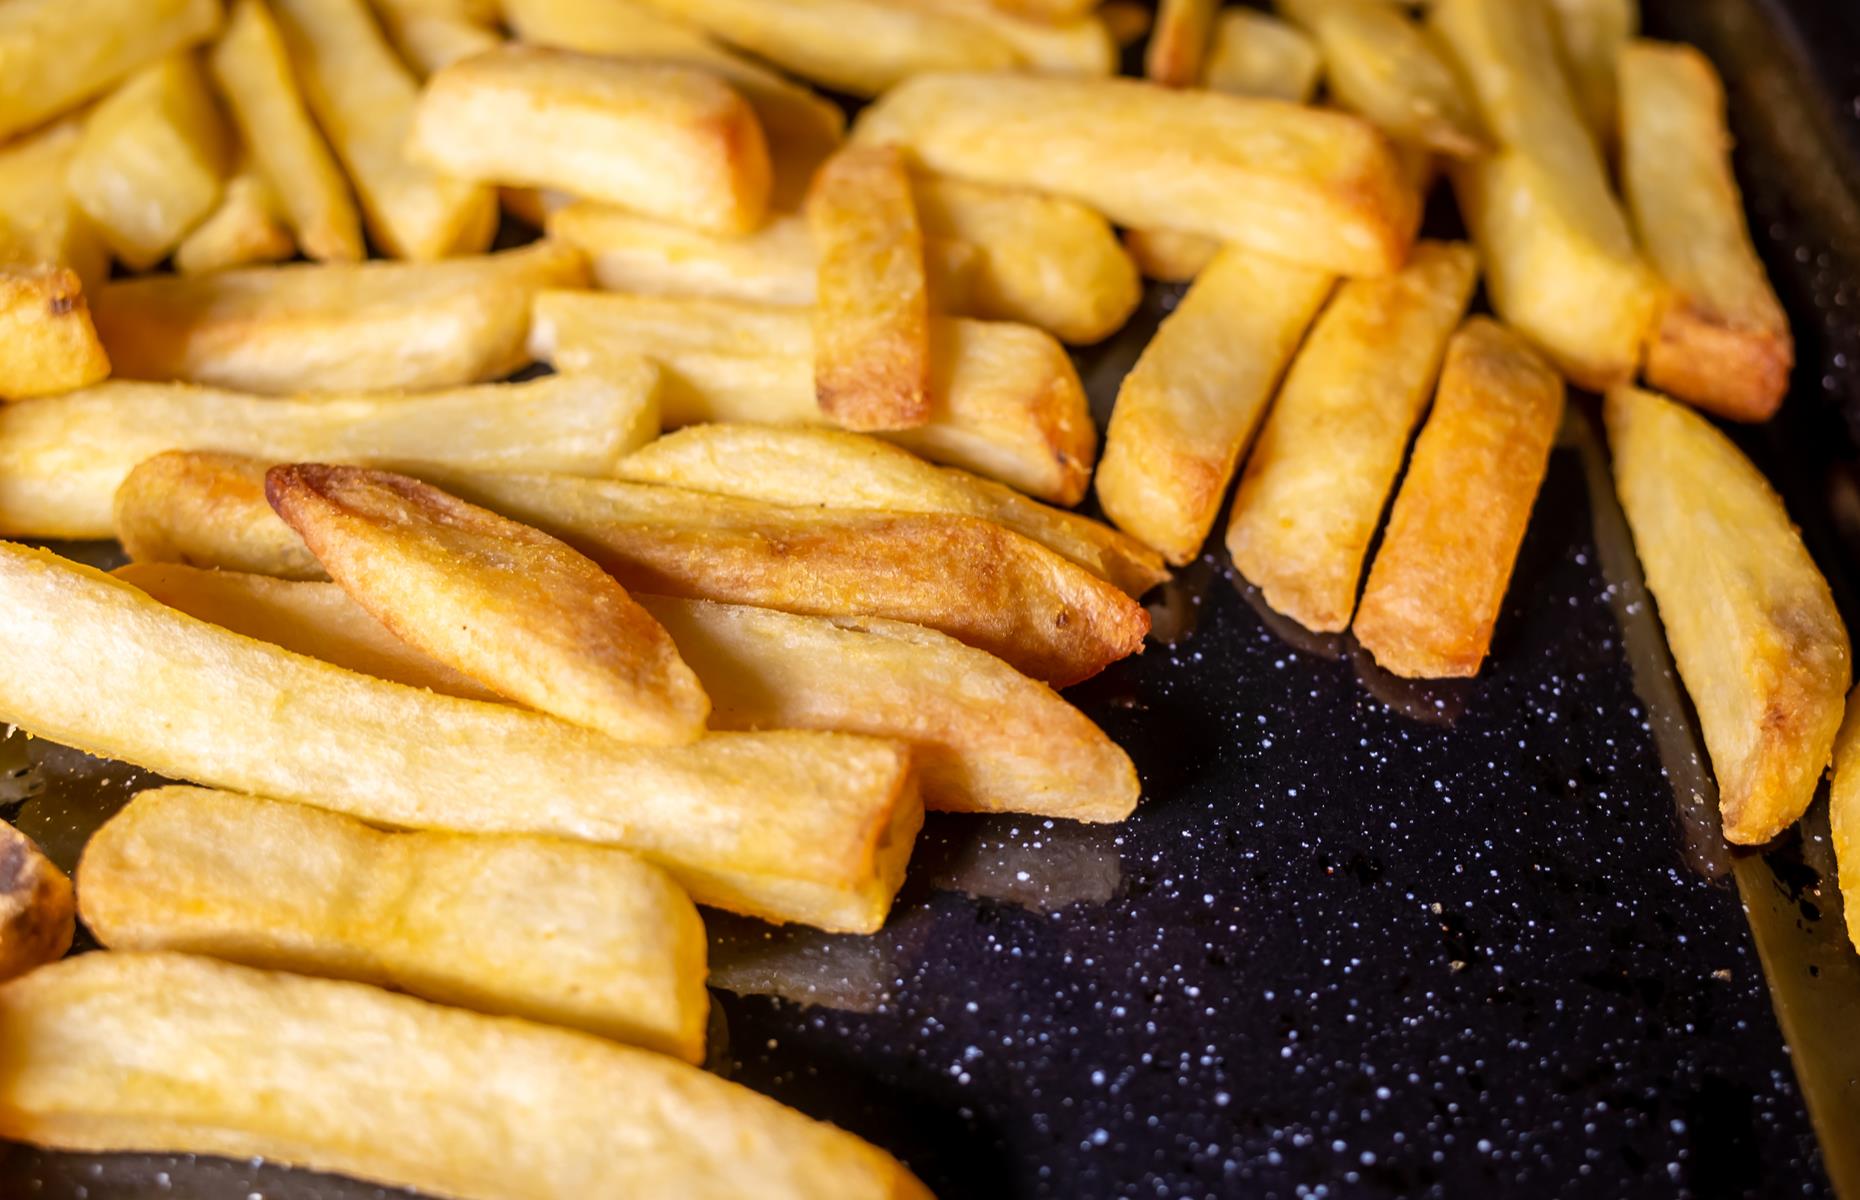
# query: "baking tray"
[1364,937]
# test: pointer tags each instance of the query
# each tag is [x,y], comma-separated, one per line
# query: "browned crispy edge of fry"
[1179,41]
[37,917]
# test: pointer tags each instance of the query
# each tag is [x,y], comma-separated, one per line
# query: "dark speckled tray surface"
[1364,938]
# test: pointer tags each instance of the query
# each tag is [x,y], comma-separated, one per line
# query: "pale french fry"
[1591,34]
[56,54]
[585,937]
[344,1077]
[1189,406]
[1252,53]
[1311,186]
[47,341]
[62,458]
[37,918]
[833,469]
[246,228]
[871,308]
[1318,477]
[364,97]
[1722,339]
[664,139]
[1076,45]
[1751,623]
[40,225]
[1560,265]
[1179,41]
[1844,816]
[154,156]
[1006,400]
[433,34]
[208,508]
[336,326]
[1440,576]
[505,604]
[811,827]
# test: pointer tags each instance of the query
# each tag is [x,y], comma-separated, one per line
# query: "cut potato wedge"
[1080,44]
[1179,42]
[1591,34]
[247,227]
[1256,54]
[37,917]
[56,54]
[47,341]
[40,225]
[209,509]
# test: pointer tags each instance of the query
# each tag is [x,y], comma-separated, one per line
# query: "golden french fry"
[564,933]
[505,604]
[1006,400]
[1844,816]
[872,307]
[1168,256]
[1127,21]
[1044,10]
[1560,264]
[1440,575]
[433,34]
[152,161]
[1591,34]
[1318,477]
[1078,44]
[209,508]
[1722,339]
[833,469]
[1189,406]
[1252,53]
[1751,623]
[56,54]
[37,919]
[246,228]
[811,827]
[664,139]
[62,458]
[40,225]
[334,326]
[1179,41]
[47,341]
[364,98]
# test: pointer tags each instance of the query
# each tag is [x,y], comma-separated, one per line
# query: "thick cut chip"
[40,225]
[1077,45]
[47,341]
[1440,575]
[1752,625]
[37,918]
[1844,816]
[55,54]
[1591,35]
[433,34]
[1257,54]
[585,937]
[1179,41]
[208,508]
[246,228]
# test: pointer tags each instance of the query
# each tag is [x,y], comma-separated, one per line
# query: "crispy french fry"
[811,827]
[664,139]
[1168,256]
[1252,53]
[62,458]
[1722,339]
[871,306]
[585,937]
[1315,187]
[152,161]
[1440,576]
[47,341]
[55,54]
[364,98]
[345,1077]
[1591,34]
[334,326]
[209,508]
[1752,625]
[1560,264]
[1179,41]
[505,604]
[1076,45]
[40,225]
[1189,406]
[1006,400]
[1318,477]
[433,34]
[37,918]
[246,228]
[1844,816]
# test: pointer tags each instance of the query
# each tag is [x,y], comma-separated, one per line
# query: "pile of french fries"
[488,684]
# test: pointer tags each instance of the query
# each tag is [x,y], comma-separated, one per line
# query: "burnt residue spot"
[64,303]
[13,862]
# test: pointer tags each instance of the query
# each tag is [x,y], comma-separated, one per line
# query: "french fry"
[1168,256]
[1006,400]
[1179,42]
[811,827]
[580,936]
[246,228]
[433,34]
[1076,45]
[1189,406]
[40,225]
[47,341]
[344,1077]
[37,919]
[1591,34]
[364,98]
[208,508]
[1722,339]
[1752,625]
[1318,477]
[832,469]
[503,603]
[1314,187]
[152,161]
[1560,265]
[1044,10]
[1252,53]
[872,306]
[1844,817]
[56,54]
[1440,576]
[664,139]
[1127,21]
[62,458]
[335,326]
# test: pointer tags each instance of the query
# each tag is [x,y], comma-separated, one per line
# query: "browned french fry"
[47,341]
[507,605]
[1722,339]
[59,53]
[1318,477]
[1189,406]
[209,508]
[1753,628]
[1440,576]
[1591,34]
[1844,817]
[871,306]
[330,327]
[1127,21]
[433,34]
[37,918]
[1252,53]
[1045,10]
[585,937]
[1179,42]
[40,225]
[246,228]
